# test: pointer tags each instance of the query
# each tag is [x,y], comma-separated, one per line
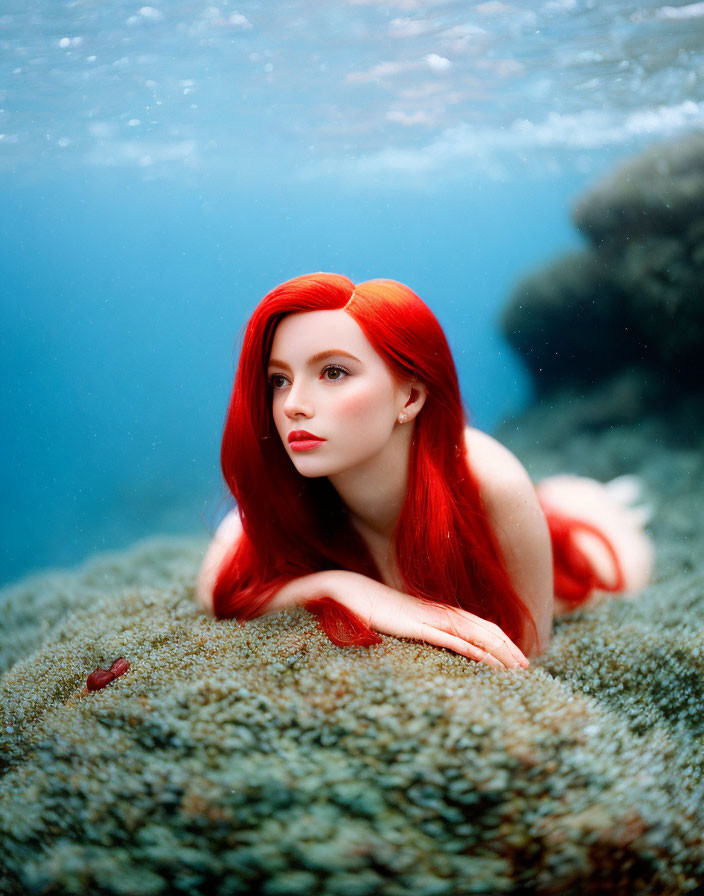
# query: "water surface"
[162,167]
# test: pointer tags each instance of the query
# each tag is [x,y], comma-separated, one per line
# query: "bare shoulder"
[227,533]
[497,469]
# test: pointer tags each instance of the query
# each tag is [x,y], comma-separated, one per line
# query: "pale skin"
[329,382]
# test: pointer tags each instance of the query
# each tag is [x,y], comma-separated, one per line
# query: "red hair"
[446,550]
[575,576]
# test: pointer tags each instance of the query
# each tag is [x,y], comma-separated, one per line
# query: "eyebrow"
[321,356]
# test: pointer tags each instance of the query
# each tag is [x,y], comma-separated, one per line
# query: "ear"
[415,393]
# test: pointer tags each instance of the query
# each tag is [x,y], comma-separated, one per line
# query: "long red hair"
[292,525]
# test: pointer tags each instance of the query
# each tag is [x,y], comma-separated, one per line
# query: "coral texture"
[262,758]
[634,298]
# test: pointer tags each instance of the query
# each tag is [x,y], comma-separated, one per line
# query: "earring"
[401,418]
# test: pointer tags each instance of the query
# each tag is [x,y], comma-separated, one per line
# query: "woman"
[363,496]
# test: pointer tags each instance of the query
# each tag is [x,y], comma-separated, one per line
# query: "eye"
[334,372]
[277,380]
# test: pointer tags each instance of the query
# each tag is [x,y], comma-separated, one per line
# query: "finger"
[489,637]
[497,634]
[464,627]
[480,632]
[491,631]
[459,645]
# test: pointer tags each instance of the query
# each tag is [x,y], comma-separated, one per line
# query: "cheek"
[364,405]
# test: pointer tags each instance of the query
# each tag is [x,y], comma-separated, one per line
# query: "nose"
[297,404]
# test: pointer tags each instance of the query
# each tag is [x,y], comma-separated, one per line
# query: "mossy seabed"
[262,758]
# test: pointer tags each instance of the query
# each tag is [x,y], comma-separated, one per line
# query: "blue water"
[162,168]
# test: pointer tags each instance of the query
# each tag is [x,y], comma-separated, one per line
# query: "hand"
[393,613]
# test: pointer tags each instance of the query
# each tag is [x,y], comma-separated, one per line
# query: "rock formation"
[633,300]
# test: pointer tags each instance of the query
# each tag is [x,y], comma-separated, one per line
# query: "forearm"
[379,608]
[296,592]
[353,590]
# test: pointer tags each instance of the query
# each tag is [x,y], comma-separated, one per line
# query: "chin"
[309,470]
[310,474]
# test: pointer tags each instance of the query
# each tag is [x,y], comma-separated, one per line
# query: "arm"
[394,613]
[226,534]
[519,525]
[383,609]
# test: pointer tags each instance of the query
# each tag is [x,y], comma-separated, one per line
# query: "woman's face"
[335,402]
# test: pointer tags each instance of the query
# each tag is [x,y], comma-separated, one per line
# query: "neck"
[374,492]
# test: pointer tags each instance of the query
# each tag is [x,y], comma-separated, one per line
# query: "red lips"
[300,435]
[302,441]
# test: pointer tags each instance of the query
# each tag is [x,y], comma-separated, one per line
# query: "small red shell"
[99,679]
[119,667]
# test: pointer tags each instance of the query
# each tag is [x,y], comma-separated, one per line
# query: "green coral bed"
[262,758]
